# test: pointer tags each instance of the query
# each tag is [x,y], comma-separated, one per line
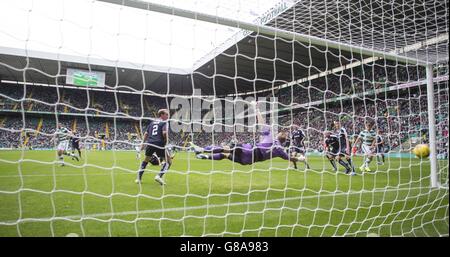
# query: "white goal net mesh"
[95,74]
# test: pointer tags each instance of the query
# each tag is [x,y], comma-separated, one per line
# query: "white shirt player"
[62,137]
[368,137]
[137,146]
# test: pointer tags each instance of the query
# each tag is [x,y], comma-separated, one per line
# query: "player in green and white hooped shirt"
[62,137]
[137,146]
[368,137]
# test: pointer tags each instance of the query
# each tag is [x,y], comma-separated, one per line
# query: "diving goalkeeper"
[245,154]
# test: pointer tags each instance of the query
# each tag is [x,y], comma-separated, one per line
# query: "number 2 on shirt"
[155,130]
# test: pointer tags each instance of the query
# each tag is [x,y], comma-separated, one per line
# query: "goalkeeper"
[246,154]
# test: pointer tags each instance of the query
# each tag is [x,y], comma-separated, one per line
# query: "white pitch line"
[121,172]
[177,209]
[65,175]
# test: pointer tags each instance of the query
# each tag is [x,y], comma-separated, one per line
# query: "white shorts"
[138,149]
[366,149]
[63,146]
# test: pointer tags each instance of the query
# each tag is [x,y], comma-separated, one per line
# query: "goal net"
[286,118]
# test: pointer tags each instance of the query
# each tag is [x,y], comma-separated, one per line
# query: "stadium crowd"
[81,101]
[29,112]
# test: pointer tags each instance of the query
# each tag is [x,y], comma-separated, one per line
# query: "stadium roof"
[113,35]
[243,62]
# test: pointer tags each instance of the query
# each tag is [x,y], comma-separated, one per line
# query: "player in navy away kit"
[297,145]
[342,151]
[333,151]
[155,140]
[246,154]
[344,146]
[380,147]
[76,144]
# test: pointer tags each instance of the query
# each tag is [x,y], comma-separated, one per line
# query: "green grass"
[98,197]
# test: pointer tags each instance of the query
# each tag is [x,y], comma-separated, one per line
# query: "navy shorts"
[159,150]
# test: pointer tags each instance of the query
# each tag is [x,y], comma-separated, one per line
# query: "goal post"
[432,127]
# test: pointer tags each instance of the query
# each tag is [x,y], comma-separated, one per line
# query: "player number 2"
[155,130]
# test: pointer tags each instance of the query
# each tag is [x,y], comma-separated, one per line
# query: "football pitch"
[97,196]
